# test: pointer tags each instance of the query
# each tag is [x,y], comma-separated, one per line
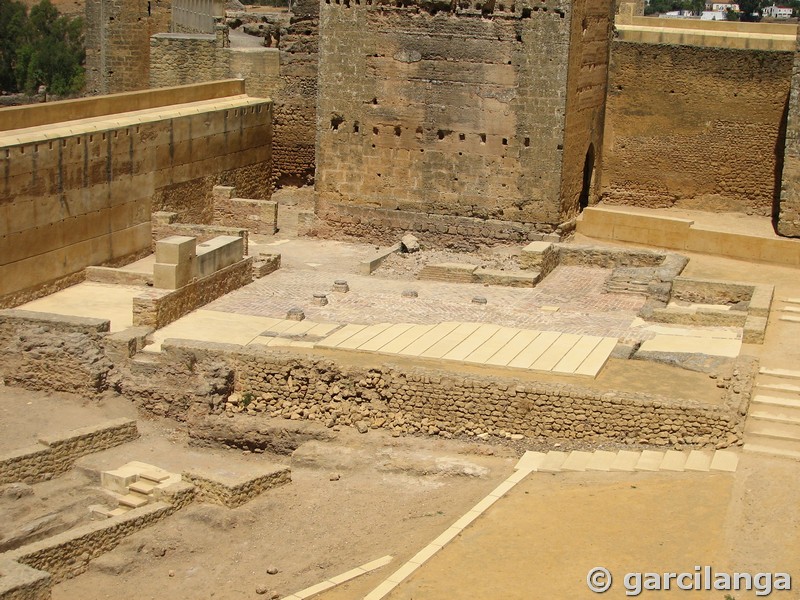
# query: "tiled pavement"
[584,308]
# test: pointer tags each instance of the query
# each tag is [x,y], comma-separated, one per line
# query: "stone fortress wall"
[460,113]
[416,104]
[789,215]
[695,127]
[83,194]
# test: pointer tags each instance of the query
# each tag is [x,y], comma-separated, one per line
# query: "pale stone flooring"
[584,307]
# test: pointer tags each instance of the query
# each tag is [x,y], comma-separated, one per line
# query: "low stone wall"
[157,308]
[20,582]
[429,401]
[265,263]
[465,273]
[463,233]
[232,492]
[166,227]
[68,554]
[56,454]
[750,303]
[41,351]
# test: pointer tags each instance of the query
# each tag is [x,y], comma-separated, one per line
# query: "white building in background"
[722,7]
[778,12]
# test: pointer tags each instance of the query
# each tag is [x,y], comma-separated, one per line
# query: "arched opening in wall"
[588,176]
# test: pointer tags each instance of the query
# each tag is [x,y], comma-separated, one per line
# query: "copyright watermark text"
[600,580]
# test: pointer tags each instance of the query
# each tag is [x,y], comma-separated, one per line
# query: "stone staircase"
[132,486]
[790,311]
[630,460]
[773,422]
[630,280]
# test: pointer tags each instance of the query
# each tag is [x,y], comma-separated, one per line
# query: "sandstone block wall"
[789,209]
[695,127]
[233,494]
[55,454]
[85,197]
[68,554]
[117,42]
[20,582]
[294,151]
[156,308]
[447,113]
[182,58]
[39,351]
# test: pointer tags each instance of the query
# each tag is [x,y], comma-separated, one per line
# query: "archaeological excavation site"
[403,299]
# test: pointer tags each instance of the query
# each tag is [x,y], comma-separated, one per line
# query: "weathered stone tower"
[475,118]
[118,42]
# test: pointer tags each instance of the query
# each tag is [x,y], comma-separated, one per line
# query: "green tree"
[13,19]
[747,8]
[40,48]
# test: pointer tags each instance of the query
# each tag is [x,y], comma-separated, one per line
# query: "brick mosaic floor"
[578,292]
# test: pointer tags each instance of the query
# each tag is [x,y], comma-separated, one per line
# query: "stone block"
[175,250]
[171,277]
[218,253]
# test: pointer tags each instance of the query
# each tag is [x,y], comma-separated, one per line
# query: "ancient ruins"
[402,299]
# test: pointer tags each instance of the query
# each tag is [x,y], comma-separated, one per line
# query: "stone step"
[674,461]
[650,460]
[782,373]
[789,319]
[785,388]
[791,300]
[630,461]
[724,460]
[772,447]
[698,460]
[133,500]
[791,309]
[553,462]
[760,402]
[766,429]
[142,487]
[154,476]
[776,416]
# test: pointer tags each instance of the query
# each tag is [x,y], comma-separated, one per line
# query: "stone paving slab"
[509,352]
[674,461]
[404,340]
[553,461]
[650,460]
[479,344]
[699,460]
[365,335]
[425,341]
[556,352]
[531,354]
[488,349]
[385,337]
[693,345]
[468,346]
[341,336]
[601,460]
[451,340]
[725,460]
[598,358]
[625,461]
[580,352]
[577,461]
